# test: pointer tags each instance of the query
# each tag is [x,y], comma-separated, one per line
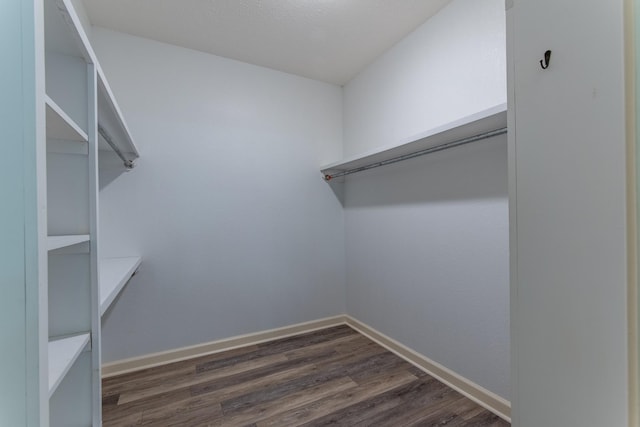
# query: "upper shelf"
[111,120]
[63,31]
[61,126]
[480,123]
[64,34]
[114,274]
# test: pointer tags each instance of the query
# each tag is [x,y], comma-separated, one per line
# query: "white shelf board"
[63,31]
[484,121]
[57,242]
[62,355]
[60,125]
[114,275]
[111,119]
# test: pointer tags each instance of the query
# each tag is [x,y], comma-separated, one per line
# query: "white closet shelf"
[111,121]
[63,31]
[114,275]
[62,355]
[57,242]
[60,125]
[483,122]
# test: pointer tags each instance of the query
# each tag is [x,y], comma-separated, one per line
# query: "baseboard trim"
[473,391]
[139,363]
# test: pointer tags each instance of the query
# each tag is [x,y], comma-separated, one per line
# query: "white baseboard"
[139,363]
[485,398]
[473,391]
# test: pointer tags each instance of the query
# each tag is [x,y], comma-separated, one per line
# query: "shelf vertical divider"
[37,290]
[96,352]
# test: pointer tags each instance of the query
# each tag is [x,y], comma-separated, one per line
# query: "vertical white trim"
[632,208]
[513,217]
[92,164]
[36,268]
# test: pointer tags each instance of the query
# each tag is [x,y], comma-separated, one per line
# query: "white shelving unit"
[114,275]
[483,122]
[57,99]
[63,352]
[73,347]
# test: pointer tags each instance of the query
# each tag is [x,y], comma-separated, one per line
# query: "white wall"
[451,66]
[569,252]
[234,245]
[238,231]
[427,239]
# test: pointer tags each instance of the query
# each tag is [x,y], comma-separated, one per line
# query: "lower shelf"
[57,242]
[62,355]
[114,274]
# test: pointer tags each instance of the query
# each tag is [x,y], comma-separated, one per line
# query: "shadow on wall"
[337,186]
[474,171]
[110,168]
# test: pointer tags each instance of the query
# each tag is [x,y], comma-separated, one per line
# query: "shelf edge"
[123,278]
[421,140]
[115,108]
[57,242]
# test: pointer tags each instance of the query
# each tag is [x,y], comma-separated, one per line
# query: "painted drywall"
[237,230]
[451,66]
[427,239]
[569,252]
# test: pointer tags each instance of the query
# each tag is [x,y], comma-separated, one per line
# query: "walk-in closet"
[318,212]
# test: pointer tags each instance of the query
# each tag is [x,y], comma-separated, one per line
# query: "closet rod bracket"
[128,163]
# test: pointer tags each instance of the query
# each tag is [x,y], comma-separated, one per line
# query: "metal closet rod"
[129,164]
[419,153]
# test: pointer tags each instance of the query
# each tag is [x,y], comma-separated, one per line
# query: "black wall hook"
[544,63]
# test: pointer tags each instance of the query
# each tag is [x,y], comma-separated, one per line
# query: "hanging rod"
[129,164]
[419,153]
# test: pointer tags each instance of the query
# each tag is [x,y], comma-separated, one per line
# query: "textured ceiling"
[327,40]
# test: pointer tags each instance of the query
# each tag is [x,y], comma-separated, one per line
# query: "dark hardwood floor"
[334,376]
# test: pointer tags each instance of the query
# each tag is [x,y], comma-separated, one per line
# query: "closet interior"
[502,262]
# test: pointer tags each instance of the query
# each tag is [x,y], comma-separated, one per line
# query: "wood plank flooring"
[334,376]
